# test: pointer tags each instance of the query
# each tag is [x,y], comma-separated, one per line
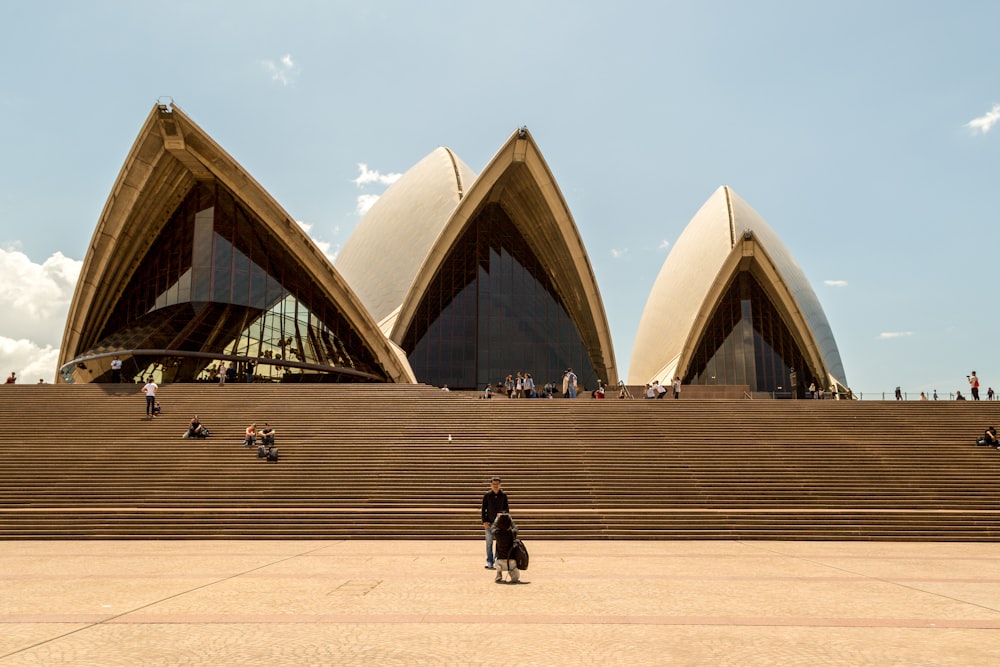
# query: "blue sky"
[865,133]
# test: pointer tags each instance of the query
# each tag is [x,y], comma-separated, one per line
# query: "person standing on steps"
[149,389]
[494,503]
[974,383]
[116,370]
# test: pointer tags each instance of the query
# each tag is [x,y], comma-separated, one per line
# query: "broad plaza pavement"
[412,603]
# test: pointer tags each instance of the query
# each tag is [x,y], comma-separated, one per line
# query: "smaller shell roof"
[382,256]
[691,275]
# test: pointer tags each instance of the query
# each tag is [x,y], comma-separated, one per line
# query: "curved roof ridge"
[458,173]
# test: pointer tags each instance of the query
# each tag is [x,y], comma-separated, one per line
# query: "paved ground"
[432,603]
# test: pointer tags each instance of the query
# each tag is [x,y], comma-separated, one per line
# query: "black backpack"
[519,553]
[272,454]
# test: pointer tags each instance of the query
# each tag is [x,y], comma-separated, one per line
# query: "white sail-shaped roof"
[726,236]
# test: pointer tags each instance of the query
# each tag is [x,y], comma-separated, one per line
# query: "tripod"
[623,391]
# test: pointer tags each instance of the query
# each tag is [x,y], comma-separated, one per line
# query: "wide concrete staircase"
[392,461]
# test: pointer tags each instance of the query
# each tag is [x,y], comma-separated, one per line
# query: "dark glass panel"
[492,310]
[747,342]
[215,282]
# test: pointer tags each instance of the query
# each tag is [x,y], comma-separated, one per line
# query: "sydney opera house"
[452,277]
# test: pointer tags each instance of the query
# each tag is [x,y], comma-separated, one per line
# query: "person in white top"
[149,389]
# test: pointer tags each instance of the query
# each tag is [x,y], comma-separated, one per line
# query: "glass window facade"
[747,342]
[492,310]
[216,283]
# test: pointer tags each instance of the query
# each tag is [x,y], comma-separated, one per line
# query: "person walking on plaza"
[494,503]
[222,373]
[974,383]
[149,389]
[116,369]
[677,387]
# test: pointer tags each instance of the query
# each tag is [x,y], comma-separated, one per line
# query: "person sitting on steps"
[196,429]
[251,436]
[267,434]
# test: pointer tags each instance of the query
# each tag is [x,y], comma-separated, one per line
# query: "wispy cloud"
[367,176]
[619,253]
[284,71]
[835,283]
[664,244]
[985,123]
[886,335]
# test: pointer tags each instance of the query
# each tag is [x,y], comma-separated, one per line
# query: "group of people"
[973,381]
[657,390]
[500,532]
[266,449]
[521,386]
[223,373]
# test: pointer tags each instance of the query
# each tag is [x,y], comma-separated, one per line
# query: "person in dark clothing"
[195,429]
[494,503]
[990,436]
[504,537]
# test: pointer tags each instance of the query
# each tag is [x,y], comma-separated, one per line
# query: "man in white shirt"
[149,389]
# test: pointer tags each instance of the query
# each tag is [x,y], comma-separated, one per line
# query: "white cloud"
[374,176]
[664,244]
[886,335]
[31,362]
[835,283]
[34,300]
[284,71]
[365,202]
[619,253]
[985,123]
[367,177]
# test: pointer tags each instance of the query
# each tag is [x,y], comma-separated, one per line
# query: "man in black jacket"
[494,502]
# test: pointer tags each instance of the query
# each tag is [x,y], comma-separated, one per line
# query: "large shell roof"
[518,179]
[397,248]
[716,243]
[382,256]
[169,156]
